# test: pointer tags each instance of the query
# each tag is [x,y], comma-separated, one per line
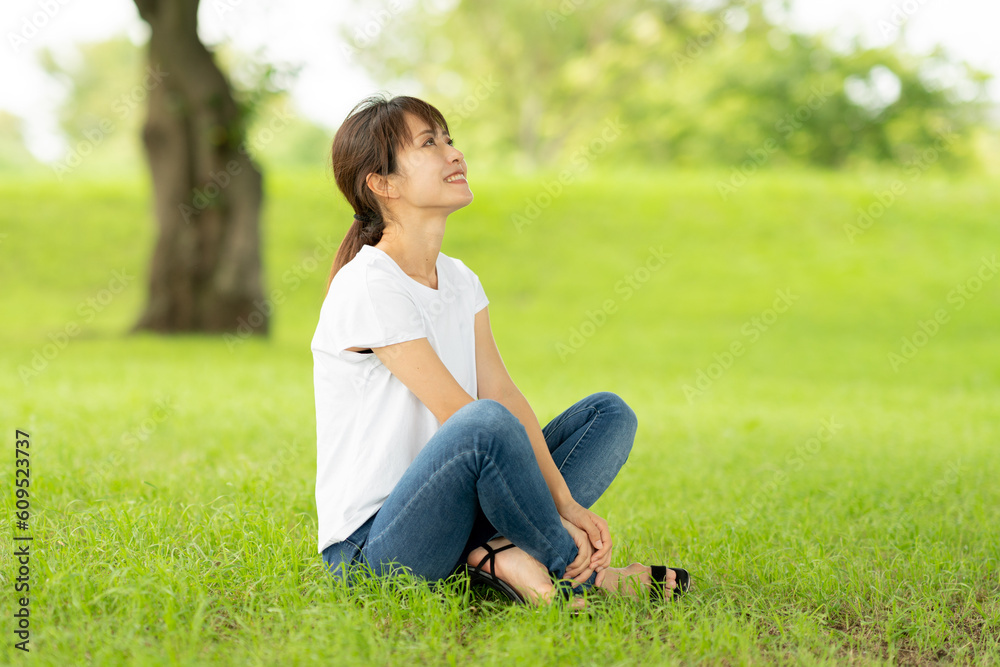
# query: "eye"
[451,142]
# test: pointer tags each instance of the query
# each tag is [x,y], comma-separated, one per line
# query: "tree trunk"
[206,270]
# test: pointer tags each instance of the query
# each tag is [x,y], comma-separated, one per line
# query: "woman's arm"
[494,382]
[420,369]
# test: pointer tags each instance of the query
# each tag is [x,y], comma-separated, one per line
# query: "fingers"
[574,570]
[602,525]
[602,557]
[601,563]
[583,553]
[593,532]
[581,562]
[603,535]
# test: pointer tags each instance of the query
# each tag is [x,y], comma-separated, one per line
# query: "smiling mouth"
[457,178]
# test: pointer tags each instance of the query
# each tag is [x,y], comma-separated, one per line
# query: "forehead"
[419,127]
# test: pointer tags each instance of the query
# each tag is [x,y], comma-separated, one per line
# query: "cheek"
[415,160]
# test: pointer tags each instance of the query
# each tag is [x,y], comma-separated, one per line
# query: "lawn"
[818,395]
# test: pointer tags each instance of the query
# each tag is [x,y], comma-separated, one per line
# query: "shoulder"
[365,270]
[459,267]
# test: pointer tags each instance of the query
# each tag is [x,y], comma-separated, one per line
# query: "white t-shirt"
[369,426]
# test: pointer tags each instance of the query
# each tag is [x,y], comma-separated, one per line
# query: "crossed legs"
[477,480]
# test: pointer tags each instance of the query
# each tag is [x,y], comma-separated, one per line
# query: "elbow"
[446,414]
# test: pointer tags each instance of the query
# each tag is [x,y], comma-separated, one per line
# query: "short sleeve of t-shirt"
[372,310]
[481,301]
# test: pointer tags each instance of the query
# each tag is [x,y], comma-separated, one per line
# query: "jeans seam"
[565,417]
[580,439]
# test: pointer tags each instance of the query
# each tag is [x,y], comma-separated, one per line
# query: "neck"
[415,248]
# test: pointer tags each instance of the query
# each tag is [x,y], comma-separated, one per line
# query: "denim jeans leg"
[589,442]
[480,458]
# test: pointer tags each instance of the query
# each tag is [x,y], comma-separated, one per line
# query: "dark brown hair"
[367,141]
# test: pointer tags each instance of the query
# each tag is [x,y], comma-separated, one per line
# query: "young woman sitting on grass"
[429,458]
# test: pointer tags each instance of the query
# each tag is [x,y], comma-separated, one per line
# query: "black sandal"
[658,589]
[479,576]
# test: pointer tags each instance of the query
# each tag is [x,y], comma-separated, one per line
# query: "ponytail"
[366,230]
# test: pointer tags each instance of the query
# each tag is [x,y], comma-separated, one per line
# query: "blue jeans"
[477,478]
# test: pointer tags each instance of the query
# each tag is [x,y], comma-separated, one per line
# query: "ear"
[382,187]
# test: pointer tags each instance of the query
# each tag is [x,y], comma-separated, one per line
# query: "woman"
[428,456]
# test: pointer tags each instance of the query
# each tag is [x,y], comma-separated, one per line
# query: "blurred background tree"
[534,87]
[206,273]
[14,155]
[116,94]
[692,87]
[100,87]
[100,84]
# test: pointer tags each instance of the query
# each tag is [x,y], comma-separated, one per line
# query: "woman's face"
[425,165]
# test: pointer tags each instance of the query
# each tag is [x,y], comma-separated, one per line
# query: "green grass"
[173,478]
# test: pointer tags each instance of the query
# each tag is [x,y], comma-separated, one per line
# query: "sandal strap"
[659,576]
[491,557]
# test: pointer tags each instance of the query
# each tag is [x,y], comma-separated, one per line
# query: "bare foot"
[525,574]
[633,580]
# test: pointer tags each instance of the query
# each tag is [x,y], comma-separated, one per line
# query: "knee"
[492,418]
[613,404]
[495,416]
[625,423]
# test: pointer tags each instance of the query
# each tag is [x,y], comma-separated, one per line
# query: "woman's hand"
[596,529]
[580,569]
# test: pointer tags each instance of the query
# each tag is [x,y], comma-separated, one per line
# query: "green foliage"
[106,104]
[14,155]
[256,85]
[690,87]
[173,509]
